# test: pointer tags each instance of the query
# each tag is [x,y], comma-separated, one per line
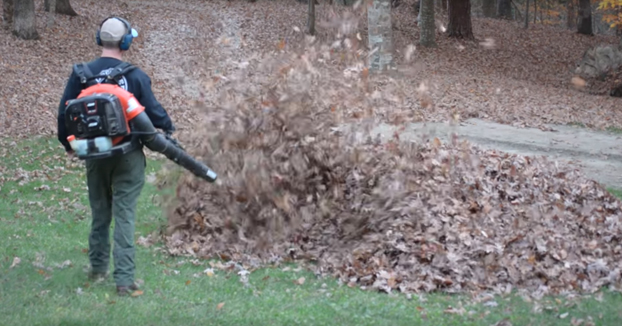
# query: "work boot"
[125,290]
[97,276]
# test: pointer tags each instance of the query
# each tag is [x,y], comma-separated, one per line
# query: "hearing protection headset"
[126,40]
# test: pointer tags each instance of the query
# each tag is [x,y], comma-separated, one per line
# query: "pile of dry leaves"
[302,178]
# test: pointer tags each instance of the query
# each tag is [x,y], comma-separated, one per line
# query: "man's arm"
[72,90]
[156,113]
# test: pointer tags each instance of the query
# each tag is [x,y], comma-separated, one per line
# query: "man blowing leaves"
[114,183]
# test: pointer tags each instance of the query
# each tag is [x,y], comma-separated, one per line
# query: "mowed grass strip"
[45,222]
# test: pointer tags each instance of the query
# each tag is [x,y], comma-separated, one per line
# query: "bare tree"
[311,17]
[51,13]
[585,17]
[489,8]
[527,14]
[571,12]
[535,10]
[7,12]
[63,7]
[428,27]
[460,19]
[504,9]
[380,35]
[24,20]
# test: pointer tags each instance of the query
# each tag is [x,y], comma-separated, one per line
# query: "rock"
[598,61]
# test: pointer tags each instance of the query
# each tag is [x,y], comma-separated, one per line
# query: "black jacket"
[136,82]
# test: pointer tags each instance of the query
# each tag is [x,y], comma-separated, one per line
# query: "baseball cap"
[112,30]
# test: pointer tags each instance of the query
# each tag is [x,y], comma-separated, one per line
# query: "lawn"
[45,223]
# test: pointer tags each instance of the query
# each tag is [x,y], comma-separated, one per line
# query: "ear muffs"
[126,40]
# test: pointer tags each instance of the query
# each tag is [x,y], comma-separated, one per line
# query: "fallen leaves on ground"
[532,69]
[296,183]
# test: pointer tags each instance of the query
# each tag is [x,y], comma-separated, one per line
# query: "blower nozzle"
[168,146]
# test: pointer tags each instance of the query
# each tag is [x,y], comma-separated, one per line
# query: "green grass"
[46,226]
[612,130]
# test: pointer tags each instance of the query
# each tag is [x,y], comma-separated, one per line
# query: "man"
[115,183]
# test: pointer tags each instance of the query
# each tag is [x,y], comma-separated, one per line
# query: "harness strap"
[86,76]
[83,72]
[120,70]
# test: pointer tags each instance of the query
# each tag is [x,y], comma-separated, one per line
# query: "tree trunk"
[428,27]
[585,17]
[460,19]
[571,11]
[535,10]
[51,13]
[489,8]
[504,9]
[440,5]
[380,36]
[63,7]
[345,2]
[24,23]
[7,12]
[310,18]
[527,14]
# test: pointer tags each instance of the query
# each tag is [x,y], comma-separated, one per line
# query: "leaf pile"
[301,177]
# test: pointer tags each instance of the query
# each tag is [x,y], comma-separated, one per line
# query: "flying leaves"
[297,185]
[376,213]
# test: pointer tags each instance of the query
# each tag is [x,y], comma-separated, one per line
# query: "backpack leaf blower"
[106,120]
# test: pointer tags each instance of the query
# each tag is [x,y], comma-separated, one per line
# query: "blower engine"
[104,115]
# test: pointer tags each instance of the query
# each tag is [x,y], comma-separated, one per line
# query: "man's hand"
[168,134]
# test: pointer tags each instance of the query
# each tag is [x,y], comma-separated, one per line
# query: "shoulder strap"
[86,76]
[120,70]
[83,72]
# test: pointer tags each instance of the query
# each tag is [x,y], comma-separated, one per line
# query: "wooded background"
[585,16]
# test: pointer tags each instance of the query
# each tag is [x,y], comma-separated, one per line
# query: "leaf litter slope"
[413,217]
[397,216]
[522,78]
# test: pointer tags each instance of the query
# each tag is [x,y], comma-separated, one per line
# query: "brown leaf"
[220,305]
[578,82]
[281,45]
[137,293]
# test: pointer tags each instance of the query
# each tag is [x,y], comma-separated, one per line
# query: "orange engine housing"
[131,106]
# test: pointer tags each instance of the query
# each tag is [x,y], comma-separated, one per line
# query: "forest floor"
[509,75]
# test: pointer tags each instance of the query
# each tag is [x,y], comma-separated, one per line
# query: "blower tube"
[155,141]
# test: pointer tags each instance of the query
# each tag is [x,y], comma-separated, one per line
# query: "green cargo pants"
[115,184]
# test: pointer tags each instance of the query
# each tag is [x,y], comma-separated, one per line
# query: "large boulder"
[599,61]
